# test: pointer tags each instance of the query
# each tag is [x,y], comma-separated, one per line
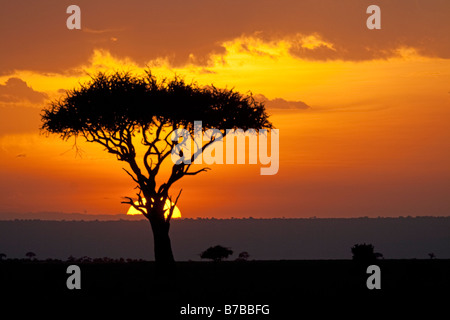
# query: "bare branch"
[132,177]
[196,154]
[146,164]
[161,154]
[172,206]
[160,161]
[140,208]
[169,142]
[179,194]
[196,172]
[180,170]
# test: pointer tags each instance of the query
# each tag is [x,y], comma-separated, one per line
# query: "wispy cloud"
[280,103]
[99,31]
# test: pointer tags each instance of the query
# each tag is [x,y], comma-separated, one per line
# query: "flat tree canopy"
[216,253]
[115,102]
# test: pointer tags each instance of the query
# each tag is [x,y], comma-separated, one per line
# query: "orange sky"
[363,114]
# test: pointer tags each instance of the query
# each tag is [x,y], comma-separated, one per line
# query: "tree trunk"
[163,247]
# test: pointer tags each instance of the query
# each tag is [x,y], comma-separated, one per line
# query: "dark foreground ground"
[290,289]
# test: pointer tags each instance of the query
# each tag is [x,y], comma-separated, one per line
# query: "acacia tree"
[116,110]
[216,253]
[30,255]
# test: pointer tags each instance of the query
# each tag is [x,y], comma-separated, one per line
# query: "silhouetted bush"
[365,253]
[243,256]
[30,255]
[379,255]
[216,253]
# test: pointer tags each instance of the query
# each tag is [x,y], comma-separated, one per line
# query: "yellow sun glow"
[176,211]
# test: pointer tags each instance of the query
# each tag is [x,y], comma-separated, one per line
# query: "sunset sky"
[364,115]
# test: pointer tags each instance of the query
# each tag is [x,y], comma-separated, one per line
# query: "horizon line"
[124,217]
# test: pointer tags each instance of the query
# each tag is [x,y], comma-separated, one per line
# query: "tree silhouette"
[2,256]
[30,255]
[243,256]
[378,255]
[216,253]
[365,253]
[117,110]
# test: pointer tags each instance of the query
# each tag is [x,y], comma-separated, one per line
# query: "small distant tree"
[2,255]
[379,255]
[432,255]
[364,253]
[243,256]
[30,255]
[85,259]
[216,253]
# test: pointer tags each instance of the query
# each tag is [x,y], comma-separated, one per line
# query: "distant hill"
[263,239]
[67,216]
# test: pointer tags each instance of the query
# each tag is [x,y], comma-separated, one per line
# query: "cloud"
[298,45]
[17,90]
[280,103]
[100,31]
[312,47]
[153,29]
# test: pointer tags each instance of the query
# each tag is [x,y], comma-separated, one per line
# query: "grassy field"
[288,287]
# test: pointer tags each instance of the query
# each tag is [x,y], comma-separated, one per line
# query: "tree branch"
[132,177]
[213,139]
[139,207]
[196,172]
[180,170]
[160,154]
[172,207]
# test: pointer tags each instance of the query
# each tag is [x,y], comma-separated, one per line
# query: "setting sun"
[176,212]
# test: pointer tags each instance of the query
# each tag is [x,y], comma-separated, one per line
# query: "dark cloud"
[16,90]
[279,103]
[34,36]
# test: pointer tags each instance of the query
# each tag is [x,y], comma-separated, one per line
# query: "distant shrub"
[30,255]
[379,255]
[216,253]
[365,253]
[243,256]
